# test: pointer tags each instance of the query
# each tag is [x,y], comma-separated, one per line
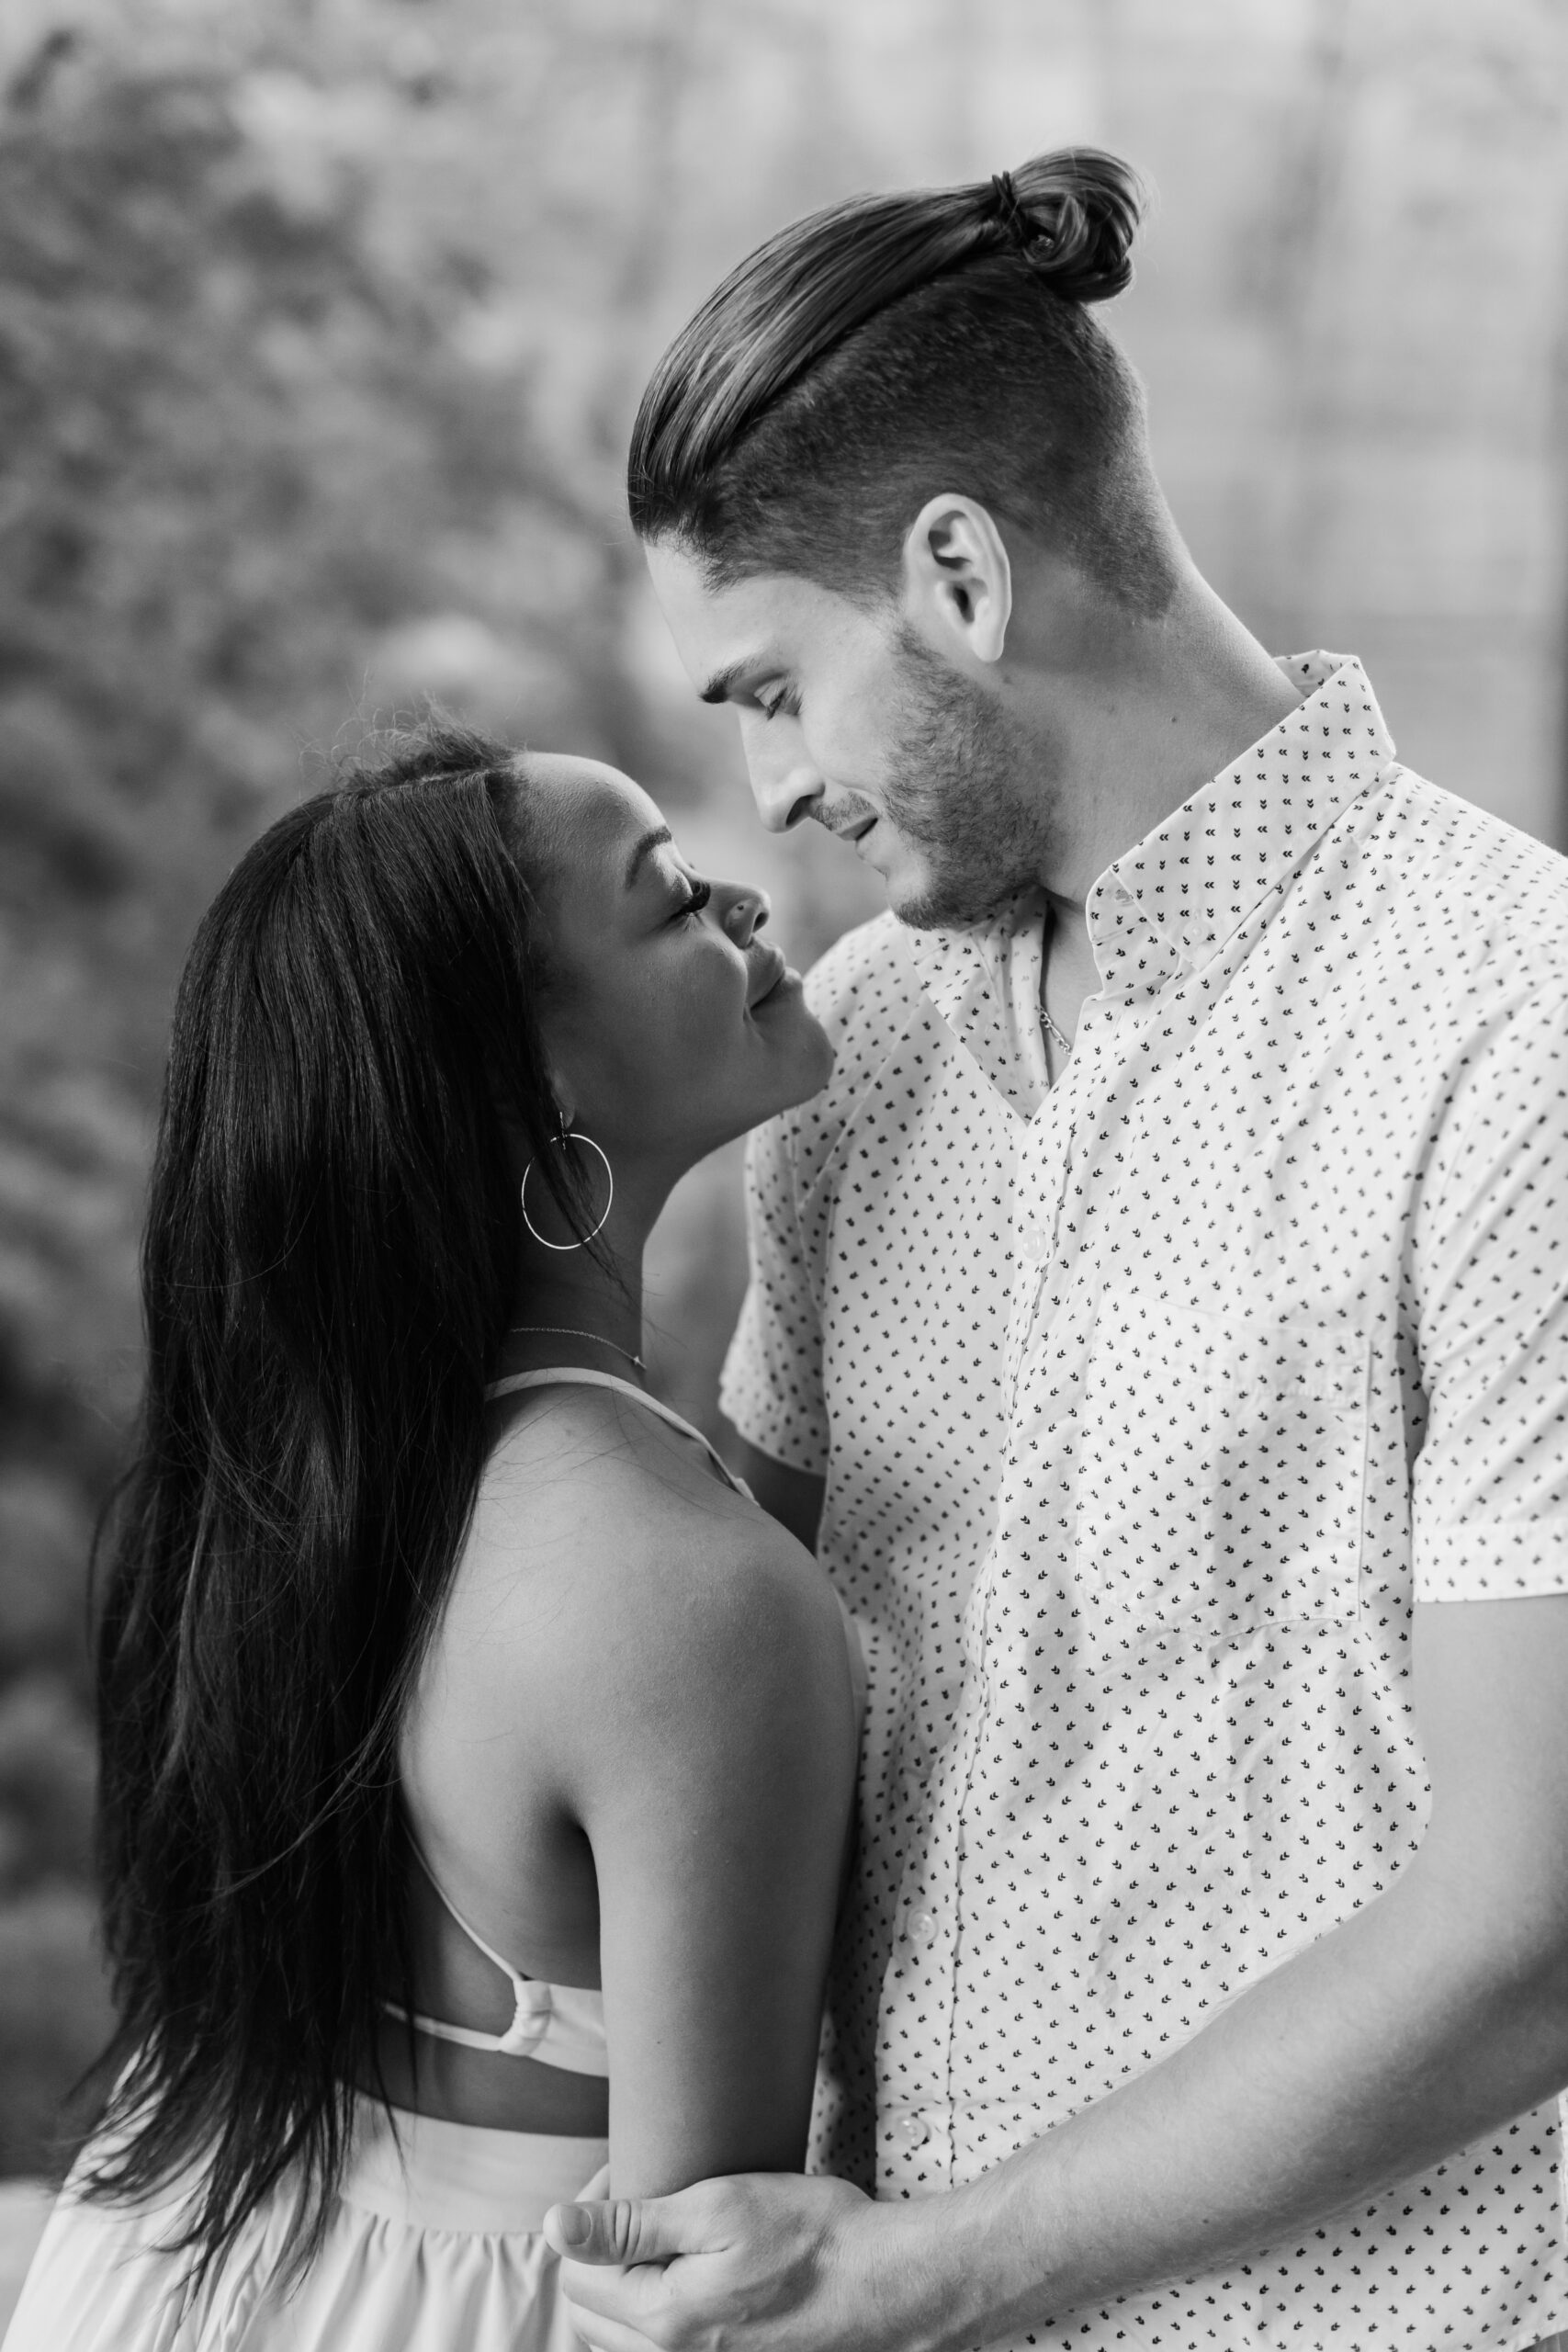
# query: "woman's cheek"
[713,1006]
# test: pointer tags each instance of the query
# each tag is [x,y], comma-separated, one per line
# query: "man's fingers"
[607,2334]
[621,2230]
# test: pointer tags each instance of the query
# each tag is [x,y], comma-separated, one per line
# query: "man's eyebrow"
[645,848]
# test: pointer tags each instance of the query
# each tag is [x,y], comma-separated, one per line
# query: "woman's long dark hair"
[330,1255]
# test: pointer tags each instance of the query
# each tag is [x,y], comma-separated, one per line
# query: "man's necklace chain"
[1064,1044]
[1058,1038]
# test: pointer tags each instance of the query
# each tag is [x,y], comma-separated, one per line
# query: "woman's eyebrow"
[645,848]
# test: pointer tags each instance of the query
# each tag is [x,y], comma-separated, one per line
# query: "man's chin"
[932,907]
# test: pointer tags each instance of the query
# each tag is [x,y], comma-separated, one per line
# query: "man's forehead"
[742,625]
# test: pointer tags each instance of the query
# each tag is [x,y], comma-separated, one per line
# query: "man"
[1166,1308]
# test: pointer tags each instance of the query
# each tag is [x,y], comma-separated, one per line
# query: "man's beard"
[955,789]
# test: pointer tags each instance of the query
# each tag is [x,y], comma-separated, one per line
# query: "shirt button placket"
[914,2129]
[908,2128]
[932,1924]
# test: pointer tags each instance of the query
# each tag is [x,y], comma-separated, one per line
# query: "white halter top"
[560,2025]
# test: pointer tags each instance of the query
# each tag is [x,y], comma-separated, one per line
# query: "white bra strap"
[526,2004]
[579,1376]
[565,2021]
[468,2037]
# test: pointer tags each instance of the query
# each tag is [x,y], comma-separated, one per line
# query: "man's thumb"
[624,2229]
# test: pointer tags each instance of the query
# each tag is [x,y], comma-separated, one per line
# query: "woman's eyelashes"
[696,899]
[786,699]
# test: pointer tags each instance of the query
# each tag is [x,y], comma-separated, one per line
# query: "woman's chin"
[799,1065]
[811,1083]
[811,1061]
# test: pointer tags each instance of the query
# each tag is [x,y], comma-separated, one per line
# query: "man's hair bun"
[1072,216]
[1008,263]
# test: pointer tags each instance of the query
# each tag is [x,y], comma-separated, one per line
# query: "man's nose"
[787,784]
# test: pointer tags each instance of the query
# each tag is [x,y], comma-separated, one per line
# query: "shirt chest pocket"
[1220,1472]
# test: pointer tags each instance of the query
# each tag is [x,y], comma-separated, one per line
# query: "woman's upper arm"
[716,1800]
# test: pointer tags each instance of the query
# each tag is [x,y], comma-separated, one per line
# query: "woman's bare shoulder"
[585,1481]
[611,1580]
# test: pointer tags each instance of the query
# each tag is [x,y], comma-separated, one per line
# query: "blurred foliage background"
[321,322]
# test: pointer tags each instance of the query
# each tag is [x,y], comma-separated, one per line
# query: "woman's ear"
[517,1129]
[957,586]
[555,1042]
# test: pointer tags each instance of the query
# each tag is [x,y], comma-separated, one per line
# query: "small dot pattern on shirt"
[1148,1405]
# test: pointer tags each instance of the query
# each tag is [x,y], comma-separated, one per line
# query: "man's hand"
[1434,2014]
[773,2260]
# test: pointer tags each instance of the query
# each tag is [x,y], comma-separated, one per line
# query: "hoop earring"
[561,1141]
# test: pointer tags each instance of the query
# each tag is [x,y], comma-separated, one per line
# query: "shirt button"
[1035,1243]
[923,1927]
[911,2129]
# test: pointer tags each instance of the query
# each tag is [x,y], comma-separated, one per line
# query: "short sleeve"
[772,1383]
[1490,1490]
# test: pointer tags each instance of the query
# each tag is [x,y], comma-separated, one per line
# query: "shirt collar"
[984,982]
[1212,864]
[1190,883]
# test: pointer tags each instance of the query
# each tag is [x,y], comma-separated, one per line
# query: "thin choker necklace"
[570,1331]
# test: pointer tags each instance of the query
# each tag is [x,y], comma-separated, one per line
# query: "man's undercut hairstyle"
[891,347]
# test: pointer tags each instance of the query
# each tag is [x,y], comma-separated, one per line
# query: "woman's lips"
[773,974]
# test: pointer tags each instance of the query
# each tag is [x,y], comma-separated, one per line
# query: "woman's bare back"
[629,1761]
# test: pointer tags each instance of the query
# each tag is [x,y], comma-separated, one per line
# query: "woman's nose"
[745,913]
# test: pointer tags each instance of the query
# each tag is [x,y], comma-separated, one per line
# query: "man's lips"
[850,829]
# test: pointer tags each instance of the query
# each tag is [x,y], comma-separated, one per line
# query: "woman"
[467,1736]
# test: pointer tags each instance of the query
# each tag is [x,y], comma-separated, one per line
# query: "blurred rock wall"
[320,329]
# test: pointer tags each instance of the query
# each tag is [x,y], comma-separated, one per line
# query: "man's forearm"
[1400,2036]
[1435,2015]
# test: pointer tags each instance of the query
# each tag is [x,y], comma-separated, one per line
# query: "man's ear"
[958,578]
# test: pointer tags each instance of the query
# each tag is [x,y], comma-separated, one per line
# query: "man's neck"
[1148,712]
[1154,711]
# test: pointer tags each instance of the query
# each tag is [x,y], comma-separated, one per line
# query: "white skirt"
[433,2243]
